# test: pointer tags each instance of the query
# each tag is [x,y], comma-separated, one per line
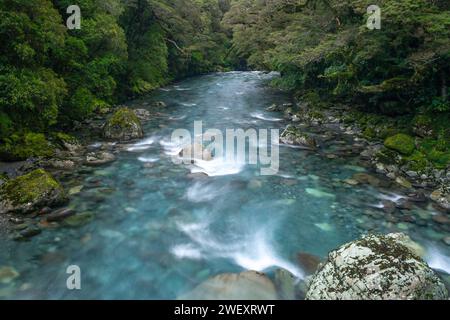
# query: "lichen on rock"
[30,192]
[376,267]
[124,125]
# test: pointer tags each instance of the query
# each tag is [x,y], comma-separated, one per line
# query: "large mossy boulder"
[401,143]
[294,136]
[31,192]
[124,125]
[376,267]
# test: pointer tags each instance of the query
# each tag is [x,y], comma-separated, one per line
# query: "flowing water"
[159,230]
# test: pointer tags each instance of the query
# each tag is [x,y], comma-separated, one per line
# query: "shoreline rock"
[376,267]
[123,125]
[31,192]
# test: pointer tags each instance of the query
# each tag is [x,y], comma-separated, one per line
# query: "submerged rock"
[248,285]
[8,274]
[124,125]
[79,220]
[142,114]
[376,267]
[285,283]
[308,262]
[293,136]
[159,104]
[31,192]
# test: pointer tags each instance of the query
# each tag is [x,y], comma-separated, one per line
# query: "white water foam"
[142,145]
[148,159]
[171,148]
[202,192]
[184,104]
[217,167]
[391,196]
[187,251]
[260,116]
[251,252]
[437,260]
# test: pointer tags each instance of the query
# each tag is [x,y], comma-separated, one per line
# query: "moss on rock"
[402,143]
[123,125]
[31,192]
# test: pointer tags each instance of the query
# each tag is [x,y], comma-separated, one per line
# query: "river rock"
[29,232]
[308,262]
[365,178]
[403,182]
[60,164]
[376,267]
[285,283]
[124,125]
[442,198]
[293,136]
[8,274]
[78,220]
[60,215]
[99,158]
[142,114]
[248,285]
[159,104]
[31,192]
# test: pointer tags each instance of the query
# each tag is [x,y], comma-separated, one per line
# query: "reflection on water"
[160,229]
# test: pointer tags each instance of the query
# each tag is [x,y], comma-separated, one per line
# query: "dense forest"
[51,76]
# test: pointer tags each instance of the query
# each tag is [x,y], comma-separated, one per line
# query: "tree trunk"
[444,93]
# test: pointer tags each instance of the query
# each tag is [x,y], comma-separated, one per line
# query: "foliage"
[51,76]
[324,45]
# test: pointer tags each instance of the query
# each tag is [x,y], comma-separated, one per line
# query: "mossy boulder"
[124,125]
[23,146]
[31,192]
[376,267]
[401,142]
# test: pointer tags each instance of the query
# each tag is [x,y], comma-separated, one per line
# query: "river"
[159,230]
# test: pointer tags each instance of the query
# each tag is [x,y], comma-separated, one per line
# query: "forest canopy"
[51,76]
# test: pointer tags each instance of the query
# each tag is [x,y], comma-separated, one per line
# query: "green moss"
[29,187]
[437,151]
[123,118]
[370,133]
[401,143]
[63,138]
[440,159]
[21,147]
[417,161]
